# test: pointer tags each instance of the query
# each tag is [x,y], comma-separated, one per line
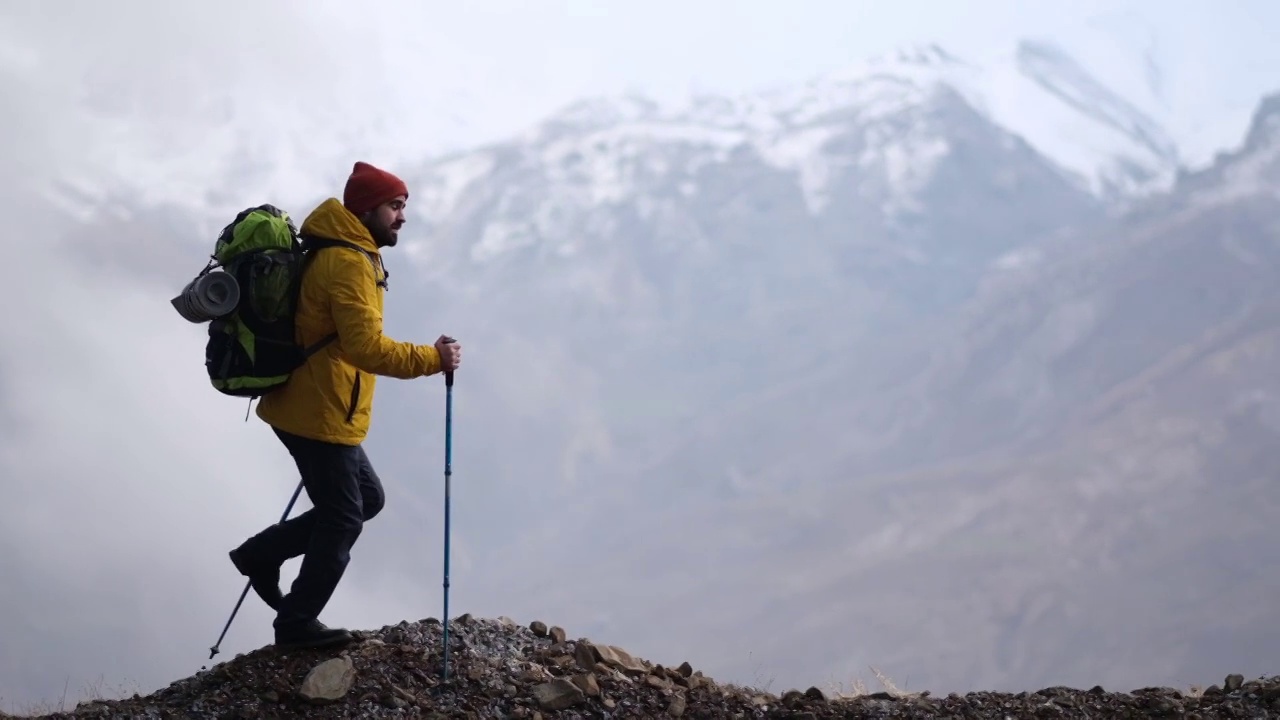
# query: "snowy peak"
[594,113]
[606,151]
[1037,91]
[879,86]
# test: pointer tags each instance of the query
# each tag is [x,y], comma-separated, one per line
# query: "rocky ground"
[499,669]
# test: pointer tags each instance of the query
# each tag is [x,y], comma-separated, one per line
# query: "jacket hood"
[331,220]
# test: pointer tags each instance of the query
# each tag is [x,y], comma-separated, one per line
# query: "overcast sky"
[148,99]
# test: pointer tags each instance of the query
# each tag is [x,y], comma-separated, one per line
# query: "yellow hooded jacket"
[330,397]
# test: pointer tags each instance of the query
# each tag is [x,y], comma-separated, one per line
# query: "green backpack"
[252,348]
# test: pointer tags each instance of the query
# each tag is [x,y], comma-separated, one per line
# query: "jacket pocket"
[355,398]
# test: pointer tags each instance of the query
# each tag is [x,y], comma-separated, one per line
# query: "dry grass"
[857,688]
[96,690]
[759,684]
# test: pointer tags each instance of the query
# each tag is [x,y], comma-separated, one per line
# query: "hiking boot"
[265,582]
[310,634]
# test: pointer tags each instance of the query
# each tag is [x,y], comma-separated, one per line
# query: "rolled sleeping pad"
[208,297]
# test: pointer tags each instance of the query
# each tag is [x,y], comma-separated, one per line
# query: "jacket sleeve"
[353,301]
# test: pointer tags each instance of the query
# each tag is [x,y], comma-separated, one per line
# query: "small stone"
[392,701]
[509,690]
[270,696]
[609,703]
[539,628]
[585,655]
[677,706]
[619,658]
[558,635]
[587,683]
[814,693]
[1233,682]
[408,696]
[656,682]
[559,694]
[329,681]
[685,669]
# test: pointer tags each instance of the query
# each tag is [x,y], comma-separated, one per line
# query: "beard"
[383,235]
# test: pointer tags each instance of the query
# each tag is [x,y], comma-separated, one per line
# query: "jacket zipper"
[355,397]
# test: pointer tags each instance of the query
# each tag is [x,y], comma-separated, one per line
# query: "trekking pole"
[448,472]
[214,650]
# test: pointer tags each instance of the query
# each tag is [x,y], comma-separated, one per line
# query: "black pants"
[345,492]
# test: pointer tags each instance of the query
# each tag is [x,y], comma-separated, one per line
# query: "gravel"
[499,669]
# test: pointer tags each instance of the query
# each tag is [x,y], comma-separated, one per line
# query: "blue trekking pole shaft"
[448,473]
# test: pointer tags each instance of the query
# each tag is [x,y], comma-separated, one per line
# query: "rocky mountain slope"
[1077,459]
[498,669]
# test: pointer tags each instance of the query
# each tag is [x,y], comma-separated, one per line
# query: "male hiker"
[322,414]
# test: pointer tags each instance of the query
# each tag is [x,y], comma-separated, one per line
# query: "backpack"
[252,350]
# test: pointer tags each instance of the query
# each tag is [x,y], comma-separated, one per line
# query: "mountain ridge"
[788,126]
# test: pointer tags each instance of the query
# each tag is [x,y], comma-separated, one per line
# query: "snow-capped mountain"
[879,159]
[1042,96]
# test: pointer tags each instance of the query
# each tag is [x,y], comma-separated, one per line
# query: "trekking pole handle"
[448,375]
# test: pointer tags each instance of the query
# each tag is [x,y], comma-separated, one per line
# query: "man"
[322,414]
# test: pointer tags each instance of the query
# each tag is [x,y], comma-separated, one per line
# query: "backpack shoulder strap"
[311,243]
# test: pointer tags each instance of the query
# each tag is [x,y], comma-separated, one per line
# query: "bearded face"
[384,222]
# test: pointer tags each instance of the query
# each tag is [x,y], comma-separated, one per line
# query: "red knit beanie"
[368,187]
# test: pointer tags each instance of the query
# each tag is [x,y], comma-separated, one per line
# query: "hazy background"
[878,384]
